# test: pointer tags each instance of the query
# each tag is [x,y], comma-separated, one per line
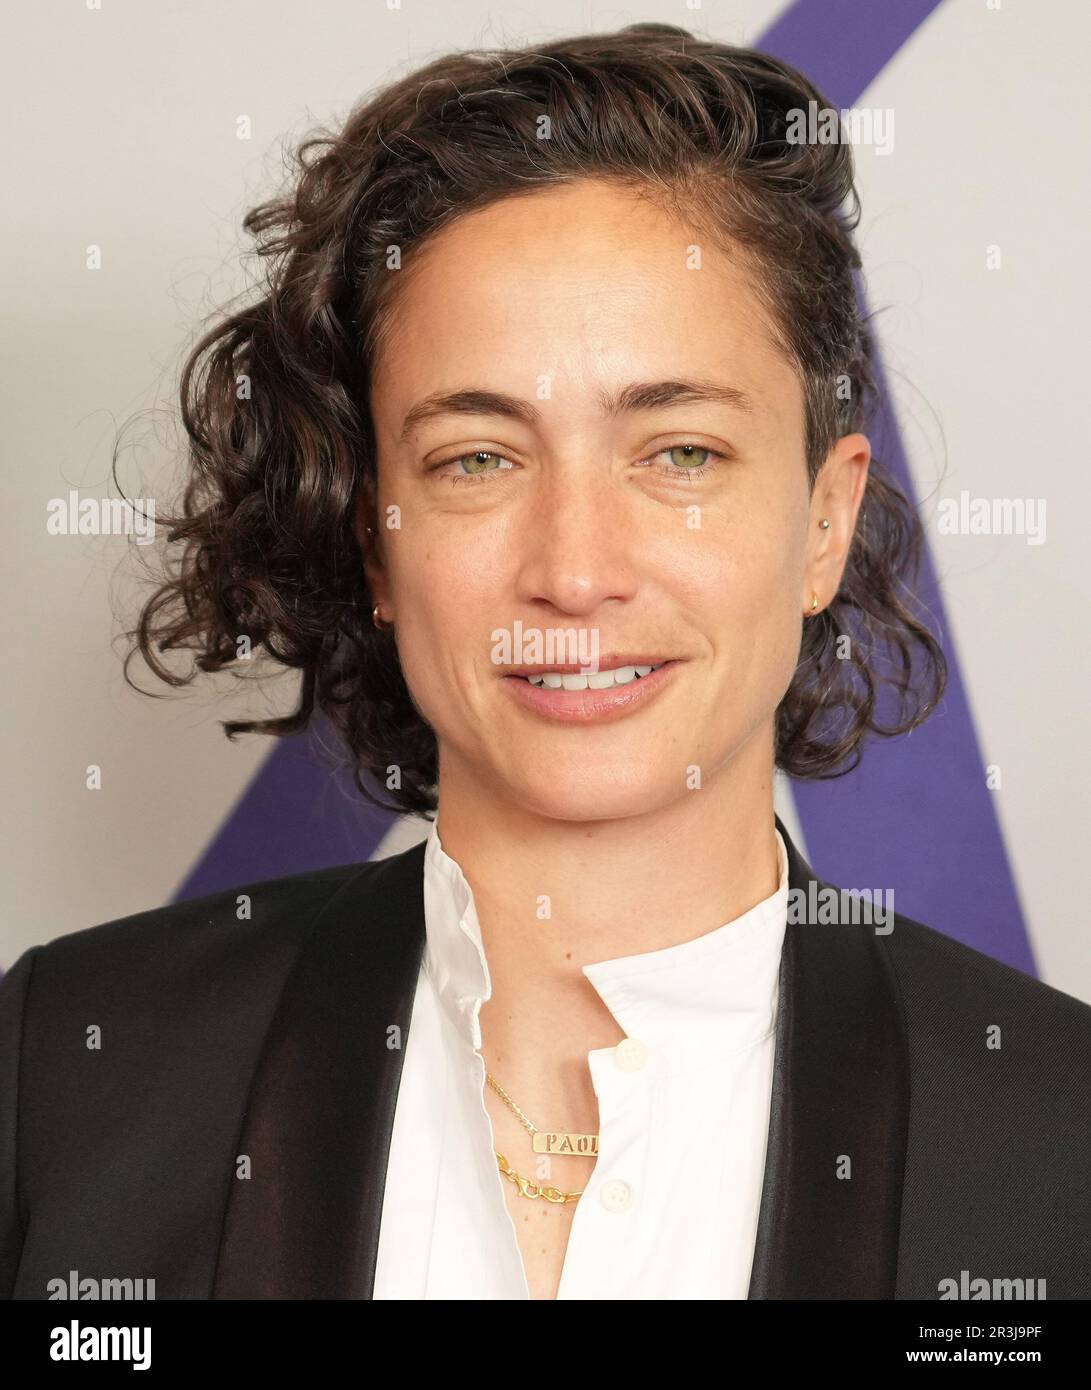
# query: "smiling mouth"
[595,680]
[574,697]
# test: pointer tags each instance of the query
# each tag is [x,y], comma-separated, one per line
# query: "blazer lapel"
[318,1124]
[317,1128]
[840,1093]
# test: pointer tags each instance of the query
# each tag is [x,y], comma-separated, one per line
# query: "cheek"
[775,618]
[443,587]
[441,599]
[746,586]
[742,573]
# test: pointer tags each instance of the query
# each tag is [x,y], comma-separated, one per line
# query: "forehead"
[586,284]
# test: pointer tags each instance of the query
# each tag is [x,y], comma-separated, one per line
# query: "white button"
[631,1054]
[616,1195]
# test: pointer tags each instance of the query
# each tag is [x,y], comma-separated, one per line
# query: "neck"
[553,895]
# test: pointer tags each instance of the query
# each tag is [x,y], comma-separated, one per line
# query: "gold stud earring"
[382,626]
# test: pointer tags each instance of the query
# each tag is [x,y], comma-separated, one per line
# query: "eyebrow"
[638,395]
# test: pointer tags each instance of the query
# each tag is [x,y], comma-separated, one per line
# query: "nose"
[578,541]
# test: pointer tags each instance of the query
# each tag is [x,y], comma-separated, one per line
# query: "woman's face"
[556,513]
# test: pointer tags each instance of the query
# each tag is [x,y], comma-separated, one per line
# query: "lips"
[590,703]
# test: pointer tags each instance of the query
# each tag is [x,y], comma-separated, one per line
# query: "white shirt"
[671,1208]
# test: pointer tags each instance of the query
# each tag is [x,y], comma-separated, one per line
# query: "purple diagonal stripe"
[843,45]
[915,818]
[295,815]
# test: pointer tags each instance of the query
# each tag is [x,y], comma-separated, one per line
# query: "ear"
[368,535]
[838,493]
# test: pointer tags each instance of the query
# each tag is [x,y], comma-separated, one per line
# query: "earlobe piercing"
[382,626]
[825,524]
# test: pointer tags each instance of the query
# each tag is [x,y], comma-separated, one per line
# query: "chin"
[584,796]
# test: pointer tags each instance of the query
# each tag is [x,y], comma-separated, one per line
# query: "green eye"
[479,459]
[689,461]
[686,455]
[474,467]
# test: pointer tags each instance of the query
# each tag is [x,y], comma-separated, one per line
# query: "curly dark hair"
[274,398]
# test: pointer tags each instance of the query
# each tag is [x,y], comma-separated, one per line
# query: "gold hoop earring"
[814,602]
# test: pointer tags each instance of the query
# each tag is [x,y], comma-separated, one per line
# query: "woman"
[542,459]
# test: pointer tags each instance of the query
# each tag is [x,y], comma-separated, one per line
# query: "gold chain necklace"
[578,1145]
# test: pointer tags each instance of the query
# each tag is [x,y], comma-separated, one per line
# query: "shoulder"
[937,972]
[252,930]
[971,1019]
[996,1174]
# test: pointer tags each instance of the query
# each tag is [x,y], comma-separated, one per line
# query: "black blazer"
[269,1038]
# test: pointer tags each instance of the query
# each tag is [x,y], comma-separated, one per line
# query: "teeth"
[599,680]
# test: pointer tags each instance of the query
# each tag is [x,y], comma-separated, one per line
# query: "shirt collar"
[706,998]
[454,953]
